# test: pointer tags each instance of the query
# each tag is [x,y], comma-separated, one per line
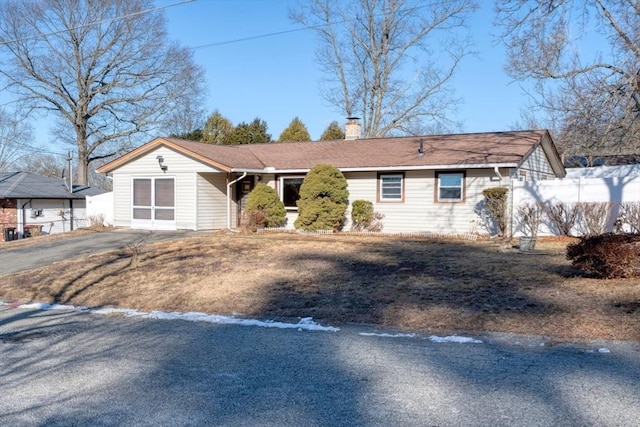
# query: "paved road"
[38,254]
[63,368]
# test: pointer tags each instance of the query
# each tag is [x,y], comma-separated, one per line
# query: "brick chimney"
[352,129]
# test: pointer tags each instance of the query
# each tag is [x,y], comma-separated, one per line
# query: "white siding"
[186,193]
[212,201]
[54,215]
[419,211]
[537,165]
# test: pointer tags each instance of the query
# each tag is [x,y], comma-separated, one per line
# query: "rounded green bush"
[361,214]
[323,199]
[265,199]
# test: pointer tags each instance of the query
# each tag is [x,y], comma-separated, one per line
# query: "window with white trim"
[391,187]
[450,186]
[290,191]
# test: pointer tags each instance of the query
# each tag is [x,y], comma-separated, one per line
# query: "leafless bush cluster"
[563,216]
[529,217]
[595,217]
[630,215]
[591,218]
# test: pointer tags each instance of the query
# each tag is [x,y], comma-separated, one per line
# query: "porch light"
[163,167]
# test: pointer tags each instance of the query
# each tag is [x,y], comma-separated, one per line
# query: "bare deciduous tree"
[14,132]
[390,62]
[104,67]
[585,59]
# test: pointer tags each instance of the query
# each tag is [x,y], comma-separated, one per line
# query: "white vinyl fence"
[614,190]
[101,206]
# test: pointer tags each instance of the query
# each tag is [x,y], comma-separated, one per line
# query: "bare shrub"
[607,255]
[254,220]
[529,217]
[630,215]
[563,216]
[595,217]
[96,222]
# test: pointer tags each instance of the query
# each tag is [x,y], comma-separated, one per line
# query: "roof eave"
[387,168]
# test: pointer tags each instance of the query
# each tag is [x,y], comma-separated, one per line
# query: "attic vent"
[352,129]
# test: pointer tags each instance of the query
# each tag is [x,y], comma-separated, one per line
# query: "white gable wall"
[537,165]
[191,197]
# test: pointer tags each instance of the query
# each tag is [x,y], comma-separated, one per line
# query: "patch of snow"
[454,338]
[305,323]
[384,335]
[45,306]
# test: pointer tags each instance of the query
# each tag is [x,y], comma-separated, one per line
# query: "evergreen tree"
[248,133]
[296,132]
[323,199]
[332,132]
[216,128]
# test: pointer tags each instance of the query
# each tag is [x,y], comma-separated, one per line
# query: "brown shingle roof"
[472,149]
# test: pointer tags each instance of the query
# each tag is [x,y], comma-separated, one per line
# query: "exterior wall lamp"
[163,167]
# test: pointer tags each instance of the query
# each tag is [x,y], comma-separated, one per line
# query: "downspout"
[229,199]
[24,216]
[71,214]
[497,171]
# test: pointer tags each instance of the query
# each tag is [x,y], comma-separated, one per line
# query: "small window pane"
[164,214]
[142,192]
[139,213]
[450,180]
[164,192]
[450,193]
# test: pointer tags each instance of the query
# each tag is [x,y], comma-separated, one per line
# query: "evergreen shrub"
[323,199]
[265,199]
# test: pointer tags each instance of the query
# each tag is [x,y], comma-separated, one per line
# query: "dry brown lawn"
[411,284]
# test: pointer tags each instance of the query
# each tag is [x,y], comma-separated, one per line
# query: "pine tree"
[332,132]
[296,132]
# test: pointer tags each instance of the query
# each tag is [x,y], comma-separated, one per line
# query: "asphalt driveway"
[37,254]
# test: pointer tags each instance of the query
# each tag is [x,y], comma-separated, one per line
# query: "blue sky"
[276,78]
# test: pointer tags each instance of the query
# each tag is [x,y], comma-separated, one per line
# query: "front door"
[153,206]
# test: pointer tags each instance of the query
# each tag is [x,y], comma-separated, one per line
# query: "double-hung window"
[391,187]
[450,186]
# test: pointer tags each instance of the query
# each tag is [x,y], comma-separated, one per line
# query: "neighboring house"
[31,204]
[423,183]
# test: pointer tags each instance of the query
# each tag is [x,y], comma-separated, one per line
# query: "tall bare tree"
[104,67]
[584,57]
[14,133]
[390,62]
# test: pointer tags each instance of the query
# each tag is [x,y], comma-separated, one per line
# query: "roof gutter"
[386,168]
[229,199]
